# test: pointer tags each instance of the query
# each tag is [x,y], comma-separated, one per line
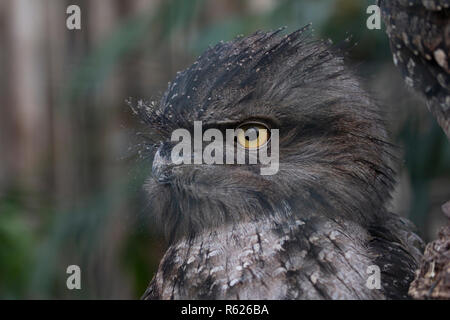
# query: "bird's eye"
[252,135]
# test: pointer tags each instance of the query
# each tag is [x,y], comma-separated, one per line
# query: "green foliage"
[16,247]
[426,156]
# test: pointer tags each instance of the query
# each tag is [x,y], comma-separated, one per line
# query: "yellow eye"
[252,135]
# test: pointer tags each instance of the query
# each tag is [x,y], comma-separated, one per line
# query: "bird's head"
[333,158]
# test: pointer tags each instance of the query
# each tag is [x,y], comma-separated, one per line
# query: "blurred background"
[71,173]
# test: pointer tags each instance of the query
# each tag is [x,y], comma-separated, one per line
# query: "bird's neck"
[236,261]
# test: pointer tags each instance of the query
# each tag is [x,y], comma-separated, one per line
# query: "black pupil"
[252,133]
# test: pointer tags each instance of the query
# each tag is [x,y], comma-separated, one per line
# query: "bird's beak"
[162,164]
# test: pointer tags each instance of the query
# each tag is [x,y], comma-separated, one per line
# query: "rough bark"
[419,35]
[433,278]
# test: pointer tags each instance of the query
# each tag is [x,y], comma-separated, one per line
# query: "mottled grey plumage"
[311,230]
[419,34]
